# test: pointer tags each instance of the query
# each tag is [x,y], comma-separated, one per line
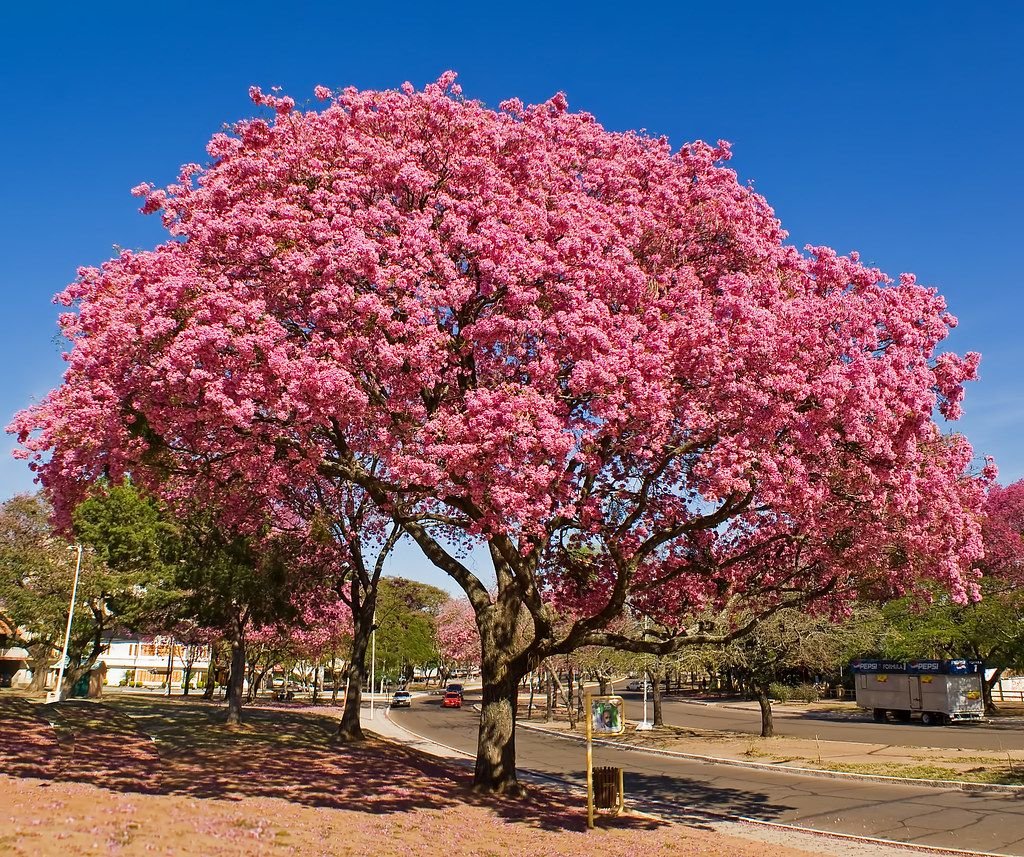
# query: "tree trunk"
[763,700]
[529,707]
[570,698]
[73,674]
[236,681]
[496,745]
[659,717]
[211,673]
[187,678]
[549,690]
[349,729]
[41,658]
[602,684]
[502,667]
[986,689]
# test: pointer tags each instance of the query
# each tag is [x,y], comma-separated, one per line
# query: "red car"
[452,700]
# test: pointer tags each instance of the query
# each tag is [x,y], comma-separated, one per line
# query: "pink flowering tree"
[350,540]
[1004,534]
[590,354]
[324,629]
[324,625]
[456,637]
[989,629]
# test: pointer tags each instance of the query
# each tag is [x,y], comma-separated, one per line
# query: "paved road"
[997,736]
[983,821]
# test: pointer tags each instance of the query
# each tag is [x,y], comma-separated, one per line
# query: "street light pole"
[645,724]
[67,631]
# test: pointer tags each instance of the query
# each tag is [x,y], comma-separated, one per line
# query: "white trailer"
[936,691]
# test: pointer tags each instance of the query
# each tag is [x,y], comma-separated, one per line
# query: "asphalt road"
[997,736]
[982,821]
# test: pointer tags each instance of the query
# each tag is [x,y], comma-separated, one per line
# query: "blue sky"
[892,129]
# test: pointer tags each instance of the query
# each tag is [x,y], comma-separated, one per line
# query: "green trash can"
[81,687]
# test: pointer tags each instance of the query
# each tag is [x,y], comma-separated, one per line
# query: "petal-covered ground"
[148,777]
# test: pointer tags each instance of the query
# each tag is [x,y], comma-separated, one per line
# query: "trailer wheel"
[880,715]
[929,719]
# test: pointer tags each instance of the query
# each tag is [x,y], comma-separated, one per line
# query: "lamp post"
[645,724]
[67,631]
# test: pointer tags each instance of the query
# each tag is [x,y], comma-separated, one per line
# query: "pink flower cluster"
[524,325]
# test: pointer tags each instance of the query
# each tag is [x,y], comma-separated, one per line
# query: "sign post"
[590,761]
[605,717]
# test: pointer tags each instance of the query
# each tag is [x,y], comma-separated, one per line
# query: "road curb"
[959,785]
[696,815]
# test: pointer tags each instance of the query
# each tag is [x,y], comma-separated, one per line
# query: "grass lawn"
[141,776]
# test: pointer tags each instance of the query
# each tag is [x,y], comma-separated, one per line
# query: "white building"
[144,661]
[130,661]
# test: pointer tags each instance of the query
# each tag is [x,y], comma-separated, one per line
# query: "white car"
[637,684]
[401,699]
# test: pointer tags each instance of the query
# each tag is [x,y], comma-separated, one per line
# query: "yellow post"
[590,761]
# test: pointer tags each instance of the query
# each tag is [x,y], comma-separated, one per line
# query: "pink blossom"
[592,353]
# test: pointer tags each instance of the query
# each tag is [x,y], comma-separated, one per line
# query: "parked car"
[401,699]
[637,684]
[455,688]
[452,700]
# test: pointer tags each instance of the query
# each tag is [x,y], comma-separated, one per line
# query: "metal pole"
[67,631]
[373,660]
[590,760]
[645,724]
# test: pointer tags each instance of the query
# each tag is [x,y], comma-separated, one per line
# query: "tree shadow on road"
[699,803]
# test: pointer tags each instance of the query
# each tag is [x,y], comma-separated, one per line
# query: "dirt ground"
[143,777]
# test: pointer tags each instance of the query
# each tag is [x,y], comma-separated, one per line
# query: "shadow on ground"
[182,748]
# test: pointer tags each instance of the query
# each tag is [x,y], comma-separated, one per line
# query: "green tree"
[36,571]
[232,582]
[406,620]
[795,642]
[189,570]
[990,630]
[119,583]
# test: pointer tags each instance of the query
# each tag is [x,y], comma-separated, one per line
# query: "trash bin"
[607,783]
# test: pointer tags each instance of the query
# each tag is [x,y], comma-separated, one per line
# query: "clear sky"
[889,128]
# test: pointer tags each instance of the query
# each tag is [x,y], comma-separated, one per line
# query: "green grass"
[928,772]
